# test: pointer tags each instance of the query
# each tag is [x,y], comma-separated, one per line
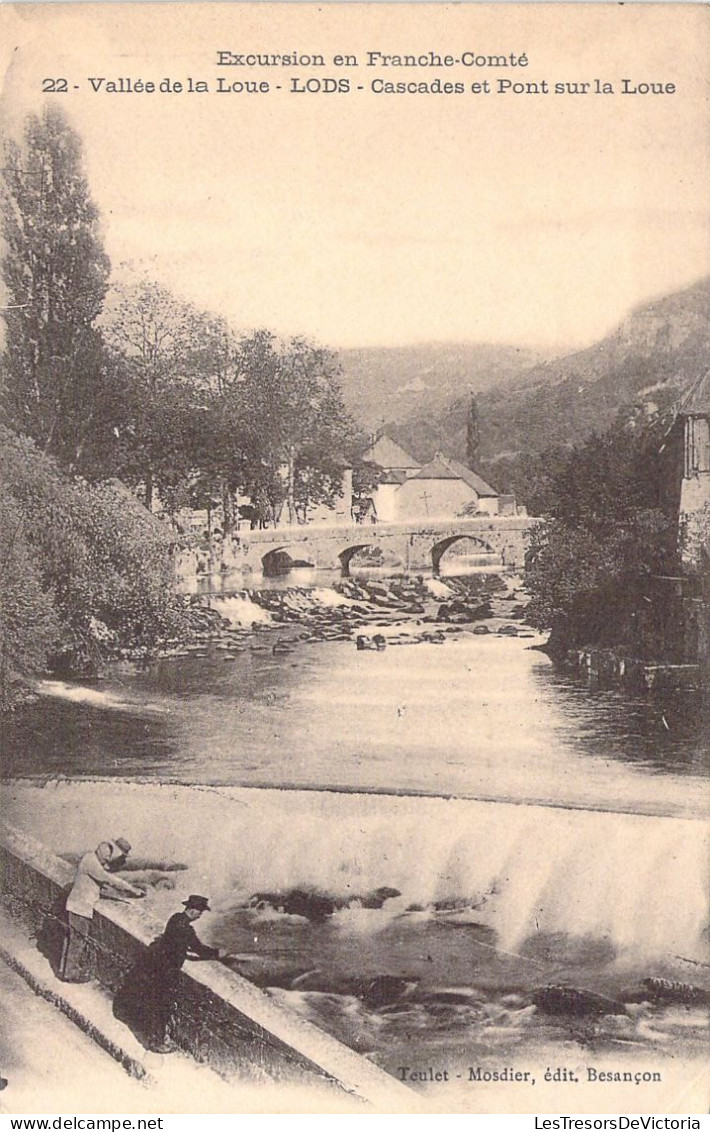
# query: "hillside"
[653,354]
[382,384]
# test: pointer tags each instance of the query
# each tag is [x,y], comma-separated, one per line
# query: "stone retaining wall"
[222,1019]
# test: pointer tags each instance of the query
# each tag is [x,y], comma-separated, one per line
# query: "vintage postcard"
[355,532]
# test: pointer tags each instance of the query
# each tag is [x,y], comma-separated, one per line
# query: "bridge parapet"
[433,526]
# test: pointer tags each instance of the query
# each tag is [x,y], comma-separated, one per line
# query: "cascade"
[635,882]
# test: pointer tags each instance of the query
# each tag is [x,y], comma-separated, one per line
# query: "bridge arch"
[439,549]
[346,556]
[280,560]
[385,554]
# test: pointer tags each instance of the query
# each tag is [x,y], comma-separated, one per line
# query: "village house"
[686,471]
[683,602]
[440,490]
[389,455]
[443,489]
[692,430]
[397,466]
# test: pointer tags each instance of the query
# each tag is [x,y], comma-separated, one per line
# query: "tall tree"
[56,388]
[296,416]
[473,434]
[221,434]
[157,342]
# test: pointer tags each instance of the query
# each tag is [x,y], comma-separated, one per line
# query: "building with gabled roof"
[390,455]
[443,489]
[682,602]
[397,465]
[476,482]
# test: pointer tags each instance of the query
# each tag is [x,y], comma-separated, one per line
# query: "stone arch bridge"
[417,546]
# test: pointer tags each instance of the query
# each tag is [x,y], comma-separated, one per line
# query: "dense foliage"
[211,416]
[84,567]
[592,565]
[29,625]
[295,420]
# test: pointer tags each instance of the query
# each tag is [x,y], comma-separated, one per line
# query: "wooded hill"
[382,384]
[655,353]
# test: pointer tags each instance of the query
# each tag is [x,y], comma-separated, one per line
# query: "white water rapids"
[636,882]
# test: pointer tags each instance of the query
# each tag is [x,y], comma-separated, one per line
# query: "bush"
[96,567]
[29,625]
[590,566]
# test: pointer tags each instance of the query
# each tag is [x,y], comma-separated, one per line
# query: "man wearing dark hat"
[180,941]
[147,998]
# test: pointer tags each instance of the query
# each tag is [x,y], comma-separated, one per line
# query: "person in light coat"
[75,965]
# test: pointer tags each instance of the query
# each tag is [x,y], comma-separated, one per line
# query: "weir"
[636,882]
[375,922]
[525,870]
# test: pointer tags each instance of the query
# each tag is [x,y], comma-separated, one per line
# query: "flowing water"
[474,824]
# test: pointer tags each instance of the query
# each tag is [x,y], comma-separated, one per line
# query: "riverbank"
[400,610]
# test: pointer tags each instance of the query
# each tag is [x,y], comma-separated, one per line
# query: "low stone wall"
[222,1019]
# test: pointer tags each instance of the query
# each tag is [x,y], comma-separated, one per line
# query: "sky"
[369,218]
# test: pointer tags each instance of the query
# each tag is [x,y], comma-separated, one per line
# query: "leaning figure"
[76,962]
[147,997]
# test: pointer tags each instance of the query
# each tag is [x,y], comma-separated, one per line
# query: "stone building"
[685,600]
[443,489]
[397,466]
[694,506]
[390,456]
[694,520]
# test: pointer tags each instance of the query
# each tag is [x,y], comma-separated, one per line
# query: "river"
[478,824]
